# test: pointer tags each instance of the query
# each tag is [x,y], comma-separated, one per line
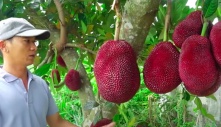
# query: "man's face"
[21,50]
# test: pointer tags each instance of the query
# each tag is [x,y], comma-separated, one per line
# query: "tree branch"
[63,31]
[50,53]
[167,20]
[137,19]
[69,45]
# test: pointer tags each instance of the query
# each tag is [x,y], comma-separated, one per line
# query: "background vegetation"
[80,27]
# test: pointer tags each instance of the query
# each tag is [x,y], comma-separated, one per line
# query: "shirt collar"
[9,77]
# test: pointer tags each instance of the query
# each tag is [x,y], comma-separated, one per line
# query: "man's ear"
[2,44]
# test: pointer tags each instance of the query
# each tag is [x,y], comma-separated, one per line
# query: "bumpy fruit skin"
[160,72]
[215,38]
[197,66]
[55,74]
[191,25]
[60,61]
[101,123]
[72,80]
[116,71]
[209,91]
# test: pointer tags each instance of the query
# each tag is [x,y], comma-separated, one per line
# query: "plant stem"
[55,58]
[118,19]
[167,20]
[204,29]
[122,112]
[197,4]
[78,61]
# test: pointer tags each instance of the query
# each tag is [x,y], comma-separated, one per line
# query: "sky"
[191,3]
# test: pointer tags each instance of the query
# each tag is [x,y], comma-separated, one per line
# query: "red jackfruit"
[160,72]
[102,122]
[197,67]
[191,25]
[215,38]
[55,75]
[72,80]
[60,61]
[116,71]
[209,91]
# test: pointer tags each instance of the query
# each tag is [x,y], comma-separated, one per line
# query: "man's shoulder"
[39,80]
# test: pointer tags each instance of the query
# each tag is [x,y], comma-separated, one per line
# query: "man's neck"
[16,70]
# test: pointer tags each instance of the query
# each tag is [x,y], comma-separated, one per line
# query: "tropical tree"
[78,29]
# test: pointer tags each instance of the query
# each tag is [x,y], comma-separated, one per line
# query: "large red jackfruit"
[72,80]
[101,122]
[191,25]
[116,71]
[215,38]
[160,72]
[197,67]
[209,91]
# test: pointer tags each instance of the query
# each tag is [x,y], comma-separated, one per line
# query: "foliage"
[89,24]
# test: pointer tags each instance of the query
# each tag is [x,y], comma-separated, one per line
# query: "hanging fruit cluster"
[193,56]
[194,59]
[72,79]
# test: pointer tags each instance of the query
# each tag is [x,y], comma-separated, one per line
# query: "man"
[25,100]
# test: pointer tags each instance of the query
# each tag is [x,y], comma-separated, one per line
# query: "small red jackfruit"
[101,122]
[215,38]
[160,71]
[191,25]
[116,71]
[197,67]
[72,80]
[60,61]
[55,75]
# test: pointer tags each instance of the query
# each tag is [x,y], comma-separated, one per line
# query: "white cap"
[11,27]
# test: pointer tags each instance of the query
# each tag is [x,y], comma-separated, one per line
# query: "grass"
[69,105]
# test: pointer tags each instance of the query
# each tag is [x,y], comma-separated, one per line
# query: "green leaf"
[1,4]
[42,70]
[198,103]
[203,111]
[212,97]
[84,27]
[209,8]
[211,117]
[117,117]
[101,31]
[132,122]
[186,96]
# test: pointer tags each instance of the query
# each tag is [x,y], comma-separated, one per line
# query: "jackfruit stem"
[55,61]
[197,4]
[118,20]
[78,60]
[167,20]
[204,29]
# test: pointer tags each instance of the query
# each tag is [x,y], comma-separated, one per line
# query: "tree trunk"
[86,95]
[137,19]
[138,15]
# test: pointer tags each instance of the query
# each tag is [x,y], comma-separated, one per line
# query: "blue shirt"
[22,108]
